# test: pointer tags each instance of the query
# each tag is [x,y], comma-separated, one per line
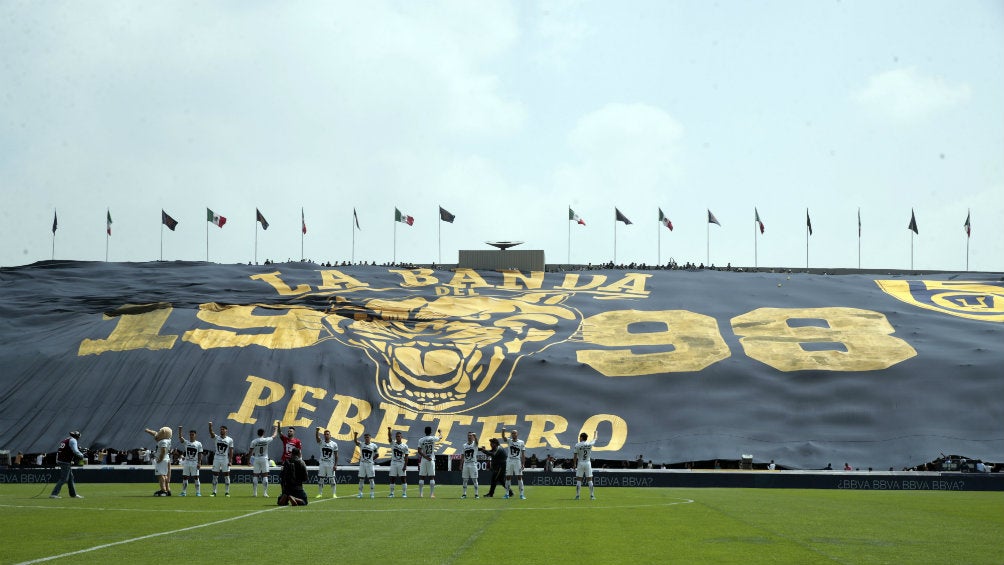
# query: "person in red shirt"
[288,443]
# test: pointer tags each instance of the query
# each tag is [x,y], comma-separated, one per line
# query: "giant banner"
[668,366]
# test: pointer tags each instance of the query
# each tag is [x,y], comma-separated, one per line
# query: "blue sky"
[505,114]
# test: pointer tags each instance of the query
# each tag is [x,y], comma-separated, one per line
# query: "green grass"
[625,525]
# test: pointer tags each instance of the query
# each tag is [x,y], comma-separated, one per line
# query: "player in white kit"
[367,456]
[398,463]
[427,462]
[583,464]
[329,462]
[515,462]
[191,462]
[470,469]
[259,459]
[223,456]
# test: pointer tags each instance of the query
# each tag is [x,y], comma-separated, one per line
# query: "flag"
[618,217]
[859,222]
[808,221]
[303,223]
[712,219]
[913,223]
[966,225]
[403,218]
[261,219]
[168,221]
[108,224]
[356,218]
[756,219]
[445,216]
[664,220]
[212,217]
[54,221]
[573,217]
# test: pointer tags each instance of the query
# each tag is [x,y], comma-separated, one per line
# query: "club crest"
[975,300]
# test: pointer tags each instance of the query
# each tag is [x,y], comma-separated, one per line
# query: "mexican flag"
[214,218]
[403,218]
[756,218]
[573,217]
[665,221]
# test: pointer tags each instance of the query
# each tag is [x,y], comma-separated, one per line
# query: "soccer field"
[124,523]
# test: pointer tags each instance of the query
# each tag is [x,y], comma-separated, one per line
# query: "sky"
[506,114]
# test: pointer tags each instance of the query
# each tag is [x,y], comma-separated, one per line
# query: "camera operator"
[66,455]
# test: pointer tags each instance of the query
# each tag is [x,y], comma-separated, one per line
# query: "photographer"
[66,455]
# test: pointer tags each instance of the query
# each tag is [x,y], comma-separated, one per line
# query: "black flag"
[618,217]
[261,219]
[445,216]
[168,221]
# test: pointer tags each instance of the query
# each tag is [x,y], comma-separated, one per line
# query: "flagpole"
[393,259]
[569,238]
[615,240]
[968,215]
[756,260]
[353,228]
[107,239]
[207,241]
[911,249]
[859,238]
[806,239]
[439,243]
[707,239]
[162,236]
[256,244]
[658,247]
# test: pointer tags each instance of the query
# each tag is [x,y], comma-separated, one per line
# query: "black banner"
[666,366]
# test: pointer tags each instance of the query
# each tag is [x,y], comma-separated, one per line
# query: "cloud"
[623,145]
[561,30]
[907,95]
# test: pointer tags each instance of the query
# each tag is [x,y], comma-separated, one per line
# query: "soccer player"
[65,456]
[515,463]
[427,462]
[367,454]
[223,457]
[329,462]
[162,460]
[291,479]
[259,459]
[288,443]
[470,470]
[398,463]
[582,464]
[191,461]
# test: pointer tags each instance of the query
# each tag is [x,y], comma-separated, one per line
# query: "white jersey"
[259,446]
[191,450]
[470,451]
[427,447]
[583,449]
[516,449]
[328,451]
[367,452]
[164,444]
[399,453]
[223,447]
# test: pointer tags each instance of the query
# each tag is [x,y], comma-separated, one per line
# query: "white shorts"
[426,467]
[584,469]
[366,470]
[260,465]
[162,467]
[470,471]
[221,465]
[513,467]
[190,468]
[326,469]
[398,469]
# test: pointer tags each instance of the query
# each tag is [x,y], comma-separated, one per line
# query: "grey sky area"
[506,114]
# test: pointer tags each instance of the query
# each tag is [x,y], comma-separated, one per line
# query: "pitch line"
[149,536]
